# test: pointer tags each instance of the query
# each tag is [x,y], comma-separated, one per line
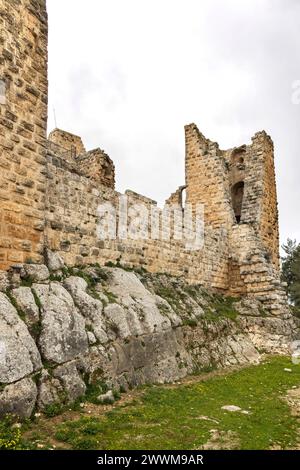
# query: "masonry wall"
[236,187]
[207,178]
[67,141]
[23,68]
[71,230]
[96,165]
[269,230]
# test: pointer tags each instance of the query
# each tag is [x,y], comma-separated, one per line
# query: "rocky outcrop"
[63,336]
[19,355]
[60,334]
[19,398]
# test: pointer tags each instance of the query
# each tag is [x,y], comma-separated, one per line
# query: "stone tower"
[23,120]
[237,186]
[238,190]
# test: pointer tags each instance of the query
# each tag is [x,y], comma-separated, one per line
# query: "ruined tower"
[238,190]
[23,115]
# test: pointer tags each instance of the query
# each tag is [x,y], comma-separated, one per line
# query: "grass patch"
[27,281]
[173,296]
[15,304]
[35,330]
[183,297]
[96,276]
[54,409]
[10,437]
[93,293]
[37,300]
[221,307]
[131,269]
[55,277]
[112,298]
[168,417]
[94,390]
[190,322]
[163,308]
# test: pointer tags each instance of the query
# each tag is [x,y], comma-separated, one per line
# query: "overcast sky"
[127,75]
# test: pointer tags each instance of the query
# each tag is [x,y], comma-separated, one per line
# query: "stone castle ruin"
[50,189]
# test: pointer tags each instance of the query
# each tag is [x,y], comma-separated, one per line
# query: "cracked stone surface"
[19,355]
[63,336]
[19,398]
[26,302]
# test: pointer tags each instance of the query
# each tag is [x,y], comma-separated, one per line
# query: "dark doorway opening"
[237,195]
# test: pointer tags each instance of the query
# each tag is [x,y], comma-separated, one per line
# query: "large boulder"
[18,399]
[69,377]
[19,355]
[142,307]
[4,281]
[50,390]
[91,308]
[26,302]
[63,336]
[54,260]
[36,272]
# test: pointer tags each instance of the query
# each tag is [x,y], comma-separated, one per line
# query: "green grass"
[190,322]
[94,390]
[54,409]
[27,281]
[10,437]
[166,417]
[216,307]
[221,307]
[112,298]
[15,304]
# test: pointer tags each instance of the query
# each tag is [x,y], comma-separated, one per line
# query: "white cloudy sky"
[128,75]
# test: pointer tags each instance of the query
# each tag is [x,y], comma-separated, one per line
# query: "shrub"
[10,437]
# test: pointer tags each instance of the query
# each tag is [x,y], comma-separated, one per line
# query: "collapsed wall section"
[97,165]
[94,164]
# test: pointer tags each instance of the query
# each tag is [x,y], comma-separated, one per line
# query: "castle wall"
[177,197]
[67,141]
[71,230]
[97,166]
[23,117]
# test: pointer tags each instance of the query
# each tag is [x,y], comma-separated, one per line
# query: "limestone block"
[91,309]
[18,399]
[63,336]
[19,355]
[37,272]
[54,260]
[72,383]
[26,302]
[50,390]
